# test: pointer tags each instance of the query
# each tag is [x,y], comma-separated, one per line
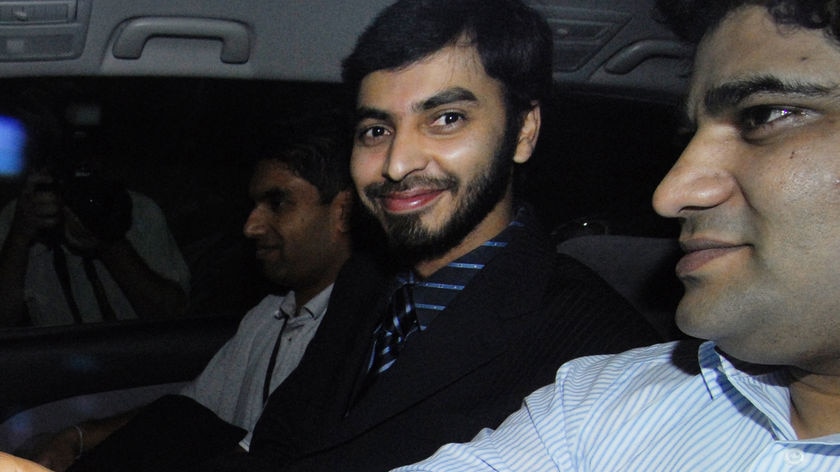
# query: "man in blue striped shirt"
[756,191]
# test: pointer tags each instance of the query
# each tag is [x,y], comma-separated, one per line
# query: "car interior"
[169,92]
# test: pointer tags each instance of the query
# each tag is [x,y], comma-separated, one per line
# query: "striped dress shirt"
[433,294]
[647,410]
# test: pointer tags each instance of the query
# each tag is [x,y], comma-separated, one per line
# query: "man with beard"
[479,310]
[755,191]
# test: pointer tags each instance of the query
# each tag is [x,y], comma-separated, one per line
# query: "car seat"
[639,268]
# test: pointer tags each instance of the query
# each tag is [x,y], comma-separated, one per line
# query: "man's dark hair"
[513,41]
[316,149]
[691,19]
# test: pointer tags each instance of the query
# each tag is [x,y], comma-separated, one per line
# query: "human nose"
[699,179]
[255,224]
[405,155]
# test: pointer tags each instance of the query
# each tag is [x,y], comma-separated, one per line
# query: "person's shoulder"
[142,202]
[658,366]
[613,397]
[674,353]
[146,215]
[267,308]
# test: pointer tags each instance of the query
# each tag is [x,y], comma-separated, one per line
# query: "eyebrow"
[728,95]
[271,194]
[452,95]
[445,97]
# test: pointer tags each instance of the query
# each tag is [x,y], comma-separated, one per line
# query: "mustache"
[718,223]
[383,189]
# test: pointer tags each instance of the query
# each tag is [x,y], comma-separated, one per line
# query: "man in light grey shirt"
[231,384]
[300,224]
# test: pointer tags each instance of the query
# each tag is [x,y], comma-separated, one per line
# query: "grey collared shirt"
[232,383]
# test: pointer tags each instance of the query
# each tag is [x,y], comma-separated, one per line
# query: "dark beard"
[411,243]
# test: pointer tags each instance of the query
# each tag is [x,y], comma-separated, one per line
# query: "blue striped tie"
[399,323]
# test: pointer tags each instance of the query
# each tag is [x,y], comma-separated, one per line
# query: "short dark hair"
[692,19]
[315,148]
[514,43]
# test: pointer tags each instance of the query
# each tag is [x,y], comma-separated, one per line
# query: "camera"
[102,205]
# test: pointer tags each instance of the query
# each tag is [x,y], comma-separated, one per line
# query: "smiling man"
[478,310]
[300,225]
[433,158]
[756,192]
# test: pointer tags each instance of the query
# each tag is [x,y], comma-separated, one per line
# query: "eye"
[275,201]
[756,117]
[448,119]
[447,122]
[763,122]
[371,135]
[275,204]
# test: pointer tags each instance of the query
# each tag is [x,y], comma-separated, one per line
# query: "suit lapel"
[472,331]
[312,397]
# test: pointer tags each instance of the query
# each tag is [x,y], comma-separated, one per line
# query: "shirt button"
[794,456]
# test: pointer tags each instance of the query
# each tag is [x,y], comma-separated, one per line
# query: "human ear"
[528,134]
[342,208]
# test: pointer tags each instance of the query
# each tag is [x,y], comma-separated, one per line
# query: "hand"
[10,463]
[38,207]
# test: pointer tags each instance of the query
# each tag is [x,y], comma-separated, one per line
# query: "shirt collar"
[765,387]
[312,310]
[433,294]
[481,255]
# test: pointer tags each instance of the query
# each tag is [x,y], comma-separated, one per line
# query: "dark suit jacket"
[505,335]
[175,432]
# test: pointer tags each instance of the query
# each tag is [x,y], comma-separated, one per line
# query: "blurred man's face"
[295,234]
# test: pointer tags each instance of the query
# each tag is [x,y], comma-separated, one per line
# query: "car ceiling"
[609,47]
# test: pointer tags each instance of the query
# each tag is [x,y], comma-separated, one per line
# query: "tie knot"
[405,278]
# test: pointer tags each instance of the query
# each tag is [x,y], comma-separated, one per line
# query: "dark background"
[189,144]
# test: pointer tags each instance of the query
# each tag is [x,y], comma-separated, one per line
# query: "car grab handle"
[135,32]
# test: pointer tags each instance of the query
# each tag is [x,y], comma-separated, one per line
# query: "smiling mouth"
[263,251]
[410,195]
[409,201]
[698,254]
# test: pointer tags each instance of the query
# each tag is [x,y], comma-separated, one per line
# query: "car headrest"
[639,268]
